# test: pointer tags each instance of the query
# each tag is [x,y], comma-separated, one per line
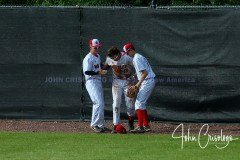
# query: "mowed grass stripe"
[62,146]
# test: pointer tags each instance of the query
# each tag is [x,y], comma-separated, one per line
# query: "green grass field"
[62,146]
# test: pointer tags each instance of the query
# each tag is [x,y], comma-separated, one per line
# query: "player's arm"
[141,67]
[87,68]
[143,76]
[105,66]
[91,73]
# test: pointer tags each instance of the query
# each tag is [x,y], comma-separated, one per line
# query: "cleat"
[97,129]
[105,129]
[138,130]
[147,128]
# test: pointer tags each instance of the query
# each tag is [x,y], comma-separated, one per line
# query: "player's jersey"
[91,63]
[140,63]
[124,62]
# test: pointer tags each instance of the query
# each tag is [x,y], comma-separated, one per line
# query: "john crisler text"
[203,138]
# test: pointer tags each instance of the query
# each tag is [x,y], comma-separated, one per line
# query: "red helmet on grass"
[120,129]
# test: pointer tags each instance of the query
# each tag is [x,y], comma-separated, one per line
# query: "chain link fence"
[124,3]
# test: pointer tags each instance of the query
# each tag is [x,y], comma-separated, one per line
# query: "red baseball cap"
[120,129]
[128,46]
[94,43]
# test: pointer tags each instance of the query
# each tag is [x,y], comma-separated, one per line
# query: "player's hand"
[138,85]
[102,72]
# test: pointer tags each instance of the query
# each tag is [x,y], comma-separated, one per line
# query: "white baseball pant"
[144,93]
[118,88]
[95,90]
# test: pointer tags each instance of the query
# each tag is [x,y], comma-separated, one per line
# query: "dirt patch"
[84,127]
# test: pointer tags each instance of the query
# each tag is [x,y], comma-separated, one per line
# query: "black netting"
[193,52]
[40,67]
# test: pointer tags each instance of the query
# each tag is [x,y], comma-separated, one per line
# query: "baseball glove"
[117,70]
[132,92]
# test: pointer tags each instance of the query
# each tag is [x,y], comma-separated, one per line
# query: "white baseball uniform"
[140,63]
[120,86]
[94,88]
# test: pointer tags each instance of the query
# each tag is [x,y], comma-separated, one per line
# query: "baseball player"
[92,72]
[120,64]
[145,85]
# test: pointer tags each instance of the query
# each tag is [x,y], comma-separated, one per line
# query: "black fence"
[194,53]
[40,57]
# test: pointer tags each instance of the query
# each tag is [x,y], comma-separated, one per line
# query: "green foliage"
[141,2]
[181,2]
[225,2]
[164,2]
[202,2]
